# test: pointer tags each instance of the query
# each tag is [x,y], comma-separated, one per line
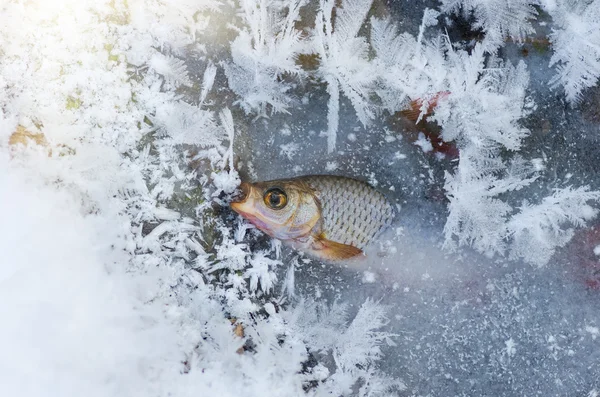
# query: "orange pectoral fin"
[331,250]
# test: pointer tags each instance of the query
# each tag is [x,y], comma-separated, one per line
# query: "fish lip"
[236,206]
[242,195]
[253,219]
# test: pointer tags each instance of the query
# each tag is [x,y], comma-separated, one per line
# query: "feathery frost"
[263,53]
[498,19]
[344,63]
[118,138]
[574,38]
[128,151]
[539,229]
[576,44]
[354,348]
[172,69]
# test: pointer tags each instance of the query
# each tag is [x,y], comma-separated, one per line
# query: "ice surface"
[126,127]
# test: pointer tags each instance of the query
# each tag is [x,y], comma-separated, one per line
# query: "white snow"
[593,331]
[424,143]
[369,277]
[73,322]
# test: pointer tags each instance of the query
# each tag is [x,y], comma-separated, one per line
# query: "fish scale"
[353,213]
[330,217]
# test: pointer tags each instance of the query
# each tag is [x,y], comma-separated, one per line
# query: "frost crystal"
[499,19]
[264,51]
[575,41]
[354,349]
[120,123]
[539,229]
[344,64]
[172,69]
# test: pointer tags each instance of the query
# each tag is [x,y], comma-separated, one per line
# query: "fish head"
[286,210]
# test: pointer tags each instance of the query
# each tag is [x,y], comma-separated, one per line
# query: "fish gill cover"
[124,124]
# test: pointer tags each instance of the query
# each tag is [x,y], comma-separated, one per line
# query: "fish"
[418,123]
[332,218]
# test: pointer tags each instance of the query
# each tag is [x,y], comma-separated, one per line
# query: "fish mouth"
[240,202]
[237,207]
[242,194]
[259,223]
[241,207]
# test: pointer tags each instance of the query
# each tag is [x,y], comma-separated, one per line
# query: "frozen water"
[467,325]
[126,126]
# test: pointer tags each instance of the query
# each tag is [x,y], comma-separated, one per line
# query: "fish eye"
[275,198]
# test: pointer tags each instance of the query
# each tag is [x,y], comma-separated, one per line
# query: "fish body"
[330,217]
